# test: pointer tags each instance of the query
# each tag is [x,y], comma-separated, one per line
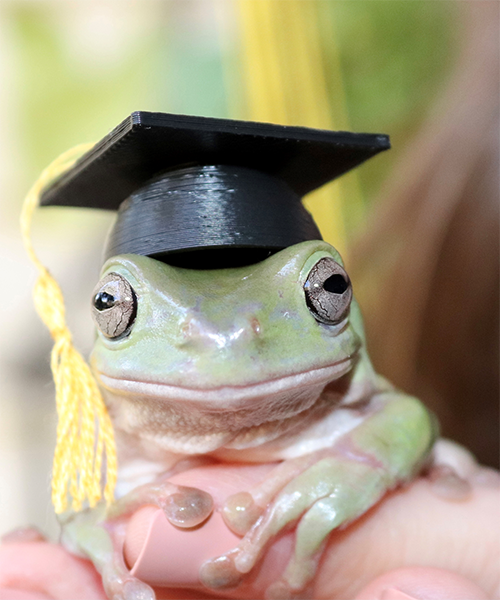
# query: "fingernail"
[395,594]
[166,556]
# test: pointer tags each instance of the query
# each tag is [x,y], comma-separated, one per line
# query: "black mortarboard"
[183,183]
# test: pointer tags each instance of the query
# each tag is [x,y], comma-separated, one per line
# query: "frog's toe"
[188,507]
[311,534]
[279,590]
[183,506]
[137,590]
[119,584]
[220,573]
[240,512]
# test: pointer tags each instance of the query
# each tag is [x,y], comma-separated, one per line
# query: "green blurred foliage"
[73,85]
[65,97]
[197,66]
[394,56]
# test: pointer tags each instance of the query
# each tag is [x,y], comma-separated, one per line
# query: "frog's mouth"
[202,420]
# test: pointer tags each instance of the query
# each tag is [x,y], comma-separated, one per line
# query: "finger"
[414,526]
[22,534]
[13,594]
[163,555]
[420,583]
[43,570]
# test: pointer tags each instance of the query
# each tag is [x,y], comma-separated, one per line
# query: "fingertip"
[22,535]
[163,555]
[421,583]
[40,570]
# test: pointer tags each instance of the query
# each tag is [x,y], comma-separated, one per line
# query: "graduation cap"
[191,191]
[230,189]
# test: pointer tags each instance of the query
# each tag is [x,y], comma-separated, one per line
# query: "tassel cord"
[84,430]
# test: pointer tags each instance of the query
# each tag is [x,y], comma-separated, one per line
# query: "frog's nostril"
[188,329]
[255,325]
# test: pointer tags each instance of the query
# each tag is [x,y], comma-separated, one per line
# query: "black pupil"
[336,284]
[102,301]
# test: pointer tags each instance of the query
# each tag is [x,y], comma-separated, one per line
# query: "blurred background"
[418,226]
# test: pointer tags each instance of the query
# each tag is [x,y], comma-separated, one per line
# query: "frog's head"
[262,338]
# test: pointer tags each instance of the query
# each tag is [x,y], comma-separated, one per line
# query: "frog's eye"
[114,306]
[328,292]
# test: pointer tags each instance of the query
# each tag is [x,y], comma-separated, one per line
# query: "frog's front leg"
[99,533]
[88,534]
[329,488]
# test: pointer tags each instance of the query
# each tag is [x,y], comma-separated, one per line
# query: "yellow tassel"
[84,430]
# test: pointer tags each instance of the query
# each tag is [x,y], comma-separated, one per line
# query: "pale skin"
[257,365]
[444,549]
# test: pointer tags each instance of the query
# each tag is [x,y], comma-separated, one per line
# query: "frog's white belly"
[314,432]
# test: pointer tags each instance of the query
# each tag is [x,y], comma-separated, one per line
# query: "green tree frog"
[257,364]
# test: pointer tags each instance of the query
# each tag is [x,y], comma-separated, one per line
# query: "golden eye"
[114,306]
[328,292]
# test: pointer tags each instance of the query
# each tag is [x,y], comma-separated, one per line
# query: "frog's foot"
[86,534]
[117,580]
[242,510]
[183,506]
[318,492]
[327,489]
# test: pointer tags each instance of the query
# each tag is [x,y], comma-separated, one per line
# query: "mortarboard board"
[183,183]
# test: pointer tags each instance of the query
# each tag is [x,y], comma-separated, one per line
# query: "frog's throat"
[227,397]
[196,421]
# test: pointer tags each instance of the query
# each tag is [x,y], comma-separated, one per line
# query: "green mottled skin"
[268,293]
[226,331]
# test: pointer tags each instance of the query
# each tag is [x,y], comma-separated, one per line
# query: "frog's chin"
[186,420]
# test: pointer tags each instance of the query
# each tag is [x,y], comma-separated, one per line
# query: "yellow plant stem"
[285,77]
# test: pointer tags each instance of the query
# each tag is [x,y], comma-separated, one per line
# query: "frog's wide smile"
[233,396]
[195,420]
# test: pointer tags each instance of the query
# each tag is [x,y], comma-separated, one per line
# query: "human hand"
[414,542]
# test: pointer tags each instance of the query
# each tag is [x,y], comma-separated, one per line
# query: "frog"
[262,363]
